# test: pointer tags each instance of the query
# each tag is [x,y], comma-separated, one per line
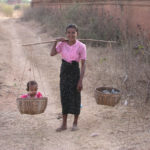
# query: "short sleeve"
[59,47]
[39,95]
[83,52]
[24,96]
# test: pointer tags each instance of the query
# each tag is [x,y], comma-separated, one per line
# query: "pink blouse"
[74,52]
[38,95]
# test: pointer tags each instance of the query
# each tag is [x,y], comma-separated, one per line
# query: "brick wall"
[132,13]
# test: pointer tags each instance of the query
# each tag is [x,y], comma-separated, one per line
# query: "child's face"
[71,34]
[32,90]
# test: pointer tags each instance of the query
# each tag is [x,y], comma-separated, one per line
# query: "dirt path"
[101,128]
[25,132]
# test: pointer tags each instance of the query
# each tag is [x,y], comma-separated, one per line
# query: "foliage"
[6,9]
[92,24]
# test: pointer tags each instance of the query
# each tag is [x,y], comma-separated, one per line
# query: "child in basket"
[32,88]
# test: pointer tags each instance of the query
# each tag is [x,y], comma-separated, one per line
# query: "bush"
[24,6]
[16,7]
[91,23]
[6,9]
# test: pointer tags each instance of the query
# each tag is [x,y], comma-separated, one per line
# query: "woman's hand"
[79,86]
[53,50]
[61,39]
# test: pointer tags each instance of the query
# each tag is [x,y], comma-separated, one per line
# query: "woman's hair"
[31,83]
[72,26]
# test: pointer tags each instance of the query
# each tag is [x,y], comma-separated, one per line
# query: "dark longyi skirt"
[70,97]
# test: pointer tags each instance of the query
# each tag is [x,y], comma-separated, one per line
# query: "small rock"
[94,134]
[114,91]
[106,92]
[44,139]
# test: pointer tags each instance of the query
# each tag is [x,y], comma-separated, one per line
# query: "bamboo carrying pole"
[92,40]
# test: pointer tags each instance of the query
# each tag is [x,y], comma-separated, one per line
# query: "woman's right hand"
[61,39]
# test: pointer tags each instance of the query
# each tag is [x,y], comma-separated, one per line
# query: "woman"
[71,76]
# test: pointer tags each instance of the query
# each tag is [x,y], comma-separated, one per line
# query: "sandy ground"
[101,127]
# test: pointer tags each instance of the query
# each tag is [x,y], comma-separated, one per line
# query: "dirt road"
[101,127]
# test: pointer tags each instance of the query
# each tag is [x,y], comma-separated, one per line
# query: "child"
[32,88]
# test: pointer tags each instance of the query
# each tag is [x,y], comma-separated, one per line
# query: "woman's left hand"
[79,86]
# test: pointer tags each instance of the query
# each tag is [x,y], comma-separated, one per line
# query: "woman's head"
[32,87]
[72,32]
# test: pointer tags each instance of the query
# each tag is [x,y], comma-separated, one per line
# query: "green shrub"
[16,7]
[6,9]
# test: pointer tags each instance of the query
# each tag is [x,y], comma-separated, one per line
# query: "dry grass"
[6,9]
[102,26]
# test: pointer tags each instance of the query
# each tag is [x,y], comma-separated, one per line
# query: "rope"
[41,79]
[30,76]
[128,127]
[32,65]
[21,80]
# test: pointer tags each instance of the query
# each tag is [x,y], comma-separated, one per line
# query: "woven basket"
[32,106]
[106,99]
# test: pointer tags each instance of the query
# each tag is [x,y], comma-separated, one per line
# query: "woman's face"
[71,34]
[32,90]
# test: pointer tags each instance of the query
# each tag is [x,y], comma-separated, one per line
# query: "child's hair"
[31,83]
[72,26]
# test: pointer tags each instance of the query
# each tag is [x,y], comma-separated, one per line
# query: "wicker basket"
[32,106]
[106,99]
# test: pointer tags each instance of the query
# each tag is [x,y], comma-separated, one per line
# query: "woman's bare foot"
[62,128]
[74,128]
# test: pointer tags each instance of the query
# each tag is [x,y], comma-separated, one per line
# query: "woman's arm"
[82,71]
[53,50]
